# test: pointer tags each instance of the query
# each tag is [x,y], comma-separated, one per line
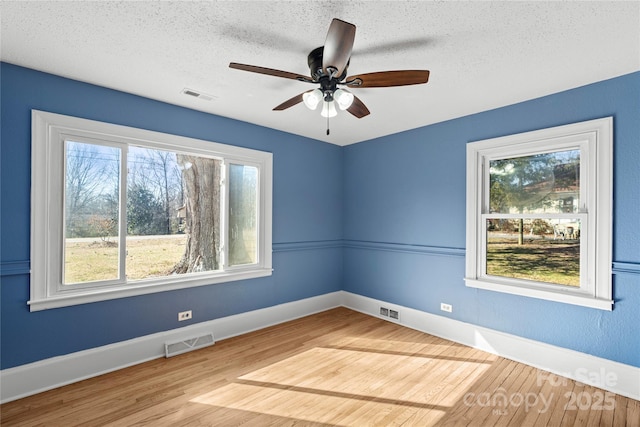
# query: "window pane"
[543,250]
[542,183]
[243,237]
[92,176]
[173,213]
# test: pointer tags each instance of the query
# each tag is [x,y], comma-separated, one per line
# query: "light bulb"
[343,98]
[312,99]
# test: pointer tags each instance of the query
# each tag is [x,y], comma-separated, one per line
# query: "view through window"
[121,211]
[539,209]
[172,213]
[531,233]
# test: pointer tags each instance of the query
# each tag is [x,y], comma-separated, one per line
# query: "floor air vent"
[179,347]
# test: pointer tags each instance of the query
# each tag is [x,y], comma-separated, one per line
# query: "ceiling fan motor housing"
[328,84]
[315,65]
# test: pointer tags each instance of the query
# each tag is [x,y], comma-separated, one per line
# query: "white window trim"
[596,207]
[46,209]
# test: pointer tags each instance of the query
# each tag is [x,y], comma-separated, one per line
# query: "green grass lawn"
[542,260]
[88,261]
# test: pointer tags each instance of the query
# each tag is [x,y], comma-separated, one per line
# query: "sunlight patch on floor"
[349,383]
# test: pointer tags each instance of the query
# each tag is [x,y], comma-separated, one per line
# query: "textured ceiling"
[481,55]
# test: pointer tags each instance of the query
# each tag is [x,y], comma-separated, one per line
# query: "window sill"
[141,288]
[569,297]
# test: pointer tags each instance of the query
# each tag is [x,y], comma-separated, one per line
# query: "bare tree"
[88,178]
[162,173]
[157,172]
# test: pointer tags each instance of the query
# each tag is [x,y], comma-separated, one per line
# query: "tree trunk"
[201,183]
[237,250]
[521,231]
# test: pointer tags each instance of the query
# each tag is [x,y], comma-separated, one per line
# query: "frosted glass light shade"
[343,98]
[329,109]
[312,99]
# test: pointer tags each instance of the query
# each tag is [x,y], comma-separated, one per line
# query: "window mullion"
[224,215]
[122,215]
[587,256]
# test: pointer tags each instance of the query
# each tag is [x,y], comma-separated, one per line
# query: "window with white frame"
[539,214]
[119,211]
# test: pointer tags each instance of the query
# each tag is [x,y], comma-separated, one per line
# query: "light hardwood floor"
[338,368]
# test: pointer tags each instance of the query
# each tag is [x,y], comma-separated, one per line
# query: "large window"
[118,211]
[539,214]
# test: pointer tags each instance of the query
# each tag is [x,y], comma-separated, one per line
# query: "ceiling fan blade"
[388,78]
[270,72]
[290,102]
[358,108]
[338,46]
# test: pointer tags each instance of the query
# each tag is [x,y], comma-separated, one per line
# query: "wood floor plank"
[437,366]
[546,395]
[521,401]
[450,391]
[633,413]
[473,407]
[339,367]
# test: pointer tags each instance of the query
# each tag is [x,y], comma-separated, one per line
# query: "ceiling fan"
[328,65]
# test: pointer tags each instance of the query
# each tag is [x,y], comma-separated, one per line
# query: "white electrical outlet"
[446,307]
[184,315]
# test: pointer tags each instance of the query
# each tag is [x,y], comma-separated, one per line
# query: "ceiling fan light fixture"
[328,109]
[328,66]
[312,99]
[344,98]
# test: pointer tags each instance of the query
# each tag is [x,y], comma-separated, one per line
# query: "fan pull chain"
[327,124]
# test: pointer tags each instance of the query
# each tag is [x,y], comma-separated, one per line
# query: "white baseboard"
[603,373]
[48,374]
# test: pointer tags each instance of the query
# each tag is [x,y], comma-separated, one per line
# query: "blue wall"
[384,218]
[404,222]
[307,211]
